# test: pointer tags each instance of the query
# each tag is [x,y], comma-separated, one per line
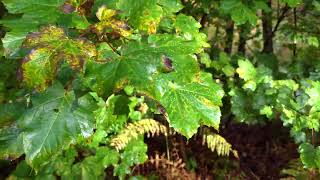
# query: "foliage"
[85,78]
[82,81]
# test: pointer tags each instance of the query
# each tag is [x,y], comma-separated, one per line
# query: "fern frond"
[217,143]
[133,130]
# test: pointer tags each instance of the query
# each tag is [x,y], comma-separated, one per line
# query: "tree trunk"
[229,37]
[267,30]
[242,40]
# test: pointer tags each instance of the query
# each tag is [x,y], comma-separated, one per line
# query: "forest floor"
[263,152]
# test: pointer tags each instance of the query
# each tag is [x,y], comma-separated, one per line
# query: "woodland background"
[159,89]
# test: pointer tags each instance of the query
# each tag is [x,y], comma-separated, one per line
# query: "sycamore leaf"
[143,15]
[10,112]
[137,70]
[50,47]
[140,63]
[191,105]
[146,15]
[10,142]
[109,24]
[170,6]
[35,13]
[52,124]
[187,24]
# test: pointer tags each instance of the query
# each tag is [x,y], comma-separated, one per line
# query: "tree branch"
[280,19]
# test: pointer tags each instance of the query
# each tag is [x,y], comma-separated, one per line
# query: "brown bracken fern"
[163,167]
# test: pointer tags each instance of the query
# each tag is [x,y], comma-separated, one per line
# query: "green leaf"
[35,13]
[134,153]
[146,15]
[241,106]
[309,155]
[143,15]
[52,124]
[49,47]
[187,24]
[248,73]
[246,70]
[191,105]
[223,64]
[107,118]
[141,62]
[10,142]
[136,70]
[292,3]
[170,6]
[240,13]
[23,170]
[10,112]
[314,94]
[92,167]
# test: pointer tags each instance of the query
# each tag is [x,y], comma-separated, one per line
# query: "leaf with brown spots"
[50,47]
[109,25]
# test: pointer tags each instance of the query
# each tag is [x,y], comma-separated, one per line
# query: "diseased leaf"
[52,124]
[143,15]
[49,47]
[35,13]
[110,25]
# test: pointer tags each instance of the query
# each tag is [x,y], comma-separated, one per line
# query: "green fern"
[133,130]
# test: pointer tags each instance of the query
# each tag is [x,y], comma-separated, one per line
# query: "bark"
[242,40]
[229,37]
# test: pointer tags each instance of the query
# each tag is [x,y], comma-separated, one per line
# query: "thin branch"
[280,18]
[203,20]
[295,26]
[113,49]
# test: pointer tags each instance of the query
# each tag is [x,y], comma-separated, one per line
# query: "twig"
[295,26]
[113,49]
[280,19]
